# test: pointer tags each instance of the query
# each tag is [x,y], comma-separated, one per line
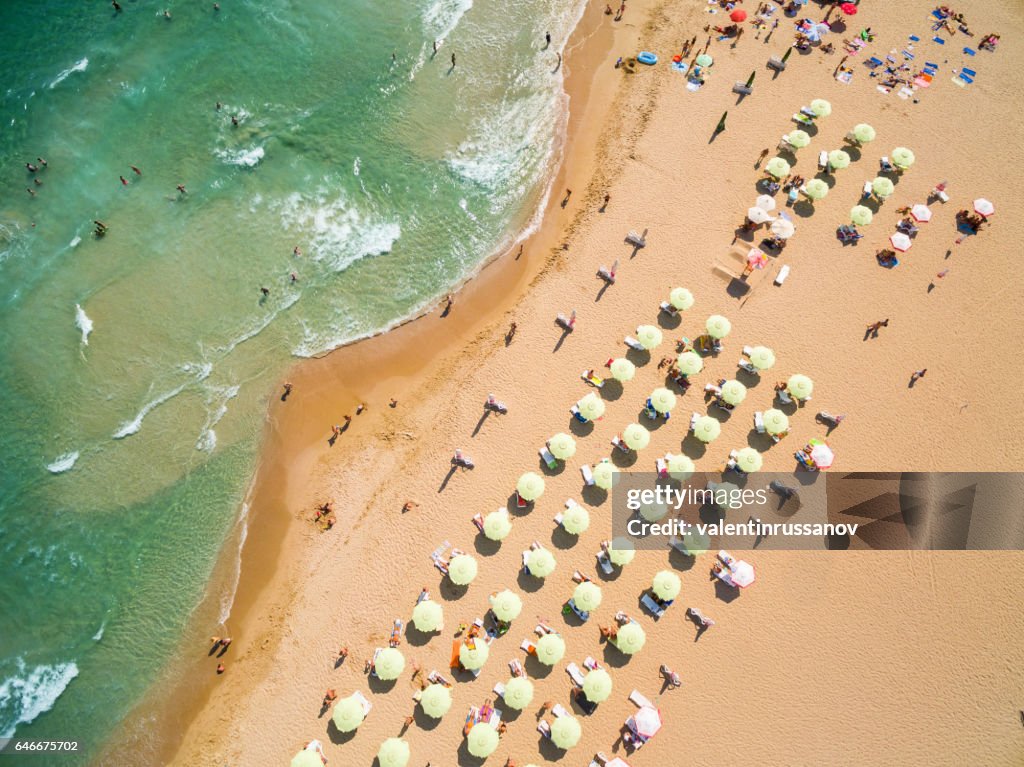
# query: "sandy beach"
[856,657]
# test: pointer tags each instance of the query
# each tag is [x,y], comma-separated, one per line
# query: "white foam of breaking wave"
[258,327]
[99,632]
[339,232]
[83,323]
[200,373]
[218,396]
[247,158]
[27,694]
[75,241]
[356,164]
[62,463]
[79,66]
[227,600]
[441,17]
[465,206]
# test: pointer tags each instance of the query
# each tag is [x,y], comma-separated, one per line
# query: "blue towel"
[939,40]
[970,72]
[930,64]
[965,78]
[915,38]
[969,51]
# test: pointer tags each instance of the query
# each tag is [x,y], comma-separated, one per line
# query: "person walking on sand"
[874,327]
[220,668]
[360,408]
[568,194]
[287,389]
[393,403]
[917,375]
[547,40]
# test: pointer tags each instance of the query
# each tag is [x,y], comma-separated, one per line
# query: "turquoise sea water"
[135,367]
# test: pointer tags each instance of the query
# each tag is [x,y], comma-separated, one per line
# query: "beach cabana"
[666,585]
[636,437]
[587,596]
[597,686]
[518,693]
[550,649]
[497,525]
[622,369]
[462,570]
[506,605]
[566,731]
[436,700]
[530,486]
[388,664]
[482,740]
[428,616]
[393,752]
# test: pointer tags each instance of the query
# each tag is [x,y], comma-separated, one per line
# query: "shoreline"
[397,353]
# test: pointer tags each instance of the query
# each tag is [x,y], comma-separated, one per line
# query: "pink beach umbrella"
[901,242]
[822,456]
[922,214]
[647,721]
[983,207]
[616,762]
[742,573]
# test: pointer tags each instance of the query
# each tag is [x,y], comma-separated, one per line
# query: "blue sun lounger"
[970,51]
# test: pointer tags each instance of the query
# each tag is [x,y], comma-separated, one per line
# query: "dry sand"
[849,658]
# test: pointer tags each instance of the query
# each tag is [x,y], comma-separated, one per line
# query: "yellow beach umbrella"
[575,519]
[882,187]
[690,363]
[348,714]
[622,369]
[389,664]
[550,649]
[630,639]
[506,605]
[681,298]
[821,108]
[428,616]
[393,752]
[860,215]
[587,596]
[800,386]
[621,551]
[748,460]
[562,446]
[707,429]
[816,189]
[652,512]
[775,421]
[636,436]
[762,358]
[591,407]
[864,133]
[718,326]
[663,400]
[666,585]
[648,336]
[518,692]
[902,157]
[436,700]
[497,525]
[777,167]
[798,139]
[604,474]
[482,740]
[680,467]
[597,685]
[838,159]
[462,570]
[733,392]
[530,486]
[696,542]
[306,758]
[474,657]
[540,563]
[566,732]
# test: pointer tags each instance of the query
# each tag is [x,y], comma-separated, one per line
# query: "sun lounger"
[782,275]
[748,366]
[565,322]
[544,728]
[759,422]
[528,647]
[590,663]
[559,710]
[583,615]
[776,63]
[632,343]
[548,459]
[606,274]
[604,563]
[823,160]
[435,677]
[637,240]
[575,411]
[669,309]
[362,702]
[521,503]
[802,119]
[499,689]
[590,378]
[886,165]
[662,467]
[784,396]
[652,606]
[638,699]
[693,420]
[516,668]
[575,674]
[588,475]
[941,194]
[617,442]
[808,111]
[396,633]
[873,62]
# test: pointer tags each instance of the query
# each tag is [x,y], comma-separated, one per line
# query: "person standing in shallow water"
[453,60]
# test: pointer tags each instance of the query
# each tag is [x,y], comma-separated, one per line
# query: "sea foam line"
[83,323]
[63,462]
[27,694]
[131,427]
[79,66]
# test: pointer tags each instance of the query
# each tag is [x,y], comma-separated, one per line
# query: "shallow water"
[135,367]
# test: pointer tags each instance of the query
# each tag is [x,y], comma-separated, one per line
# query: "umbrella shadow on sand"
[803,208]
[613,657]
[529,583]
[594,495]
[536,669]
[693,448]
[485,547]
[670,321]
[423,721]
[336,736]
[561,539]
[612,390]
[680,561]
[415,637]
[466,759]
[724,591]
[580,429]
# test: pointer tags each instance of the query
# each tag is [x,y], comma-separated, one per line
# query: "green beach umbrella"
[436,701]
[562,446]
[394,752]
[636,436]
[838,159]
[462,570]
[798,139]
[680,467]
[704,60]
[482,740]
[707,429]
[902,157]
[518,692]
[775,421]
[777,167]
[306,759]
[882,187]
[550,649]
[681,298]
[530,486]
[591,407]
[587,596]
[800,386]
[666,585]
[621,551]
[497,525]
[473,658]
[597,685]
[816,189]
[428,616]
[864,133]
[566,731]
[540,563]
[690,363]
[821,108]
[762,358]
[575,519]
[604,474]
[623,369]
[748,460]
[663,400]
[733,392]
[718,326]
[652,512]
[860,215]
[506,605]
[389,664]
[348,714]
[648,336]
[630,639]
[696,542]
[723,492]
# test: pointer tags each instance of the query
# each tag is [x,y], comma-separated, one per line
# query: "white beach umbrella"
[758,215]
[783,228]
[901,242]
[983,207]
[922,214]
[766,202]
